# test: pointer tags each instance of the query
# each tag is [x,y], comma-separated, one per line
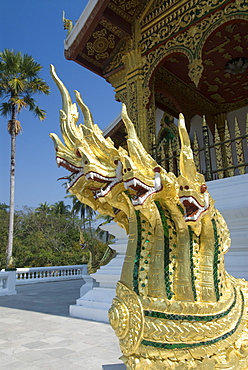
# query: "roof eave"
[82,29]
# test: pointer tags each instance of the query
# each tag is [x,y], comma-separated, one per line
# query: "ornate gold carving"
[218,154]
[195,71]
[196,152]
[156,8]
[218,98]
[112,27]
[133,102]
[125,9]
[179,331]
[151,130]
[126,317]
[146,96]
[239,148]
[91,59]
[229,107]
[189,42]
[102,43]
[183,90]
[176,20]
[228,151]
[116,62]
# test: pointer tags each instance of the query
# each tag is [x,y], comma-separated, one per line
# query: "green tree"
[4,206]
[3,235]
[44,239]
[43,208]
[19,81]
[60,208]
[84,211]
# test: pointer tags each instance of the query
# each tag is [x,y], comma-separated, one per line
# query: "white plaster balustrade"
[51,273]
[7,283]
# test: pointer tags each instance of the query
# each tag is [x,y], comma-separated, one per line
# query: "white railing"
[51,273]
[7,283]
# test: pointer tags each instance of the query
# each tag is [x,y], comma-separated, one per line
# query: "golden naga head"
[142,176]
[193,192]
[99,172]
[92,160]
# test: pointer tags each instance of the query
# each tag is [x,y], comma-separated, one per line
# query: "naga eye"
[203,188]
[85,162]
[78,154]
[116,162]
[181,187]
[186,187]
[125,170]
[129,169]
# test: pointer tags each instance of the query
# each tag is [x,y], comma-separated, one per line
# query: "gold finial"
[204,123]
[68,25]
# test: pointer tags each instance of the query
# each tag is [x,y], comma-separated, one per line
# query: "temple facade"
[176,56]
[167,57]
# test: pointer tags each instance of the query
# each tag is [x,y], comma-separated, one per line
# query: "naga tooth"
[157,181]
[89,176]
[206,200]
[119,171]
[125,185]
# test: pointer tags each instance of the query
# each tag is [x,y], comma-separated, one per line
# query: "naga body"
[176,307]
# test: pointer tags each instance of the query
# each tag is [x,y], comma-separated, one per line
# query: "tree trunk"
[12,190]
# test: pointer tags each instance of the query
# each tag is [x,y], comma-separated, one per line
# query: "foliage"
[19,81]
[46,237]
[82,210]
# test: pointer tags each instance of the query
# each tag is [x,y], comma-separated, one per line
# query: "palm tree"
[4,207]
[60,208]
[83,210]
[19,81]
[43,208]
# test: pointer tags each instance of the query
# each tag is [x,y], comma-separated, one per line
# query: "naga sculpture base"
[176,307]
[135,329]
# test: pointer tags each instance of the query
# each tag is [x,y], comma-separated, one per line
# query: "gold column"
[135,95]
[151,121]
[129,89]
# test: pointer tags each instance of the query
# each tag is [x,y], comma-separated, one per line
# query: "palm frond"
[19,80]
[40,113]
[5,109]
[16,85]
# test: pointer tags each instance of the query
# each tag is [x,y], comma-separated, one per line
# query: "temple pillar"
[129,86]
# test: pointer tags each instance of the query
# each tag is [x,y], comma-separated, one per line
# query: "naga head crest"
[193,192]
[141,173]
[85,153]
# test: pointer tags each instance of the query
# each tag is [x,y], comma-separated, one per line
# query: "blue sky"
[36,28]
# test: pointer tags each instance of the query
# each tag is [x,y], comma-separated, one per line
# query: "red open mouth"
[76,172]
[190,208]
[193,209]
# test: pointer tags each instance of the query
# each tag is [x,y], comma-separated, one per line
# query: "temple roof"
[97,39]
[100,31]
